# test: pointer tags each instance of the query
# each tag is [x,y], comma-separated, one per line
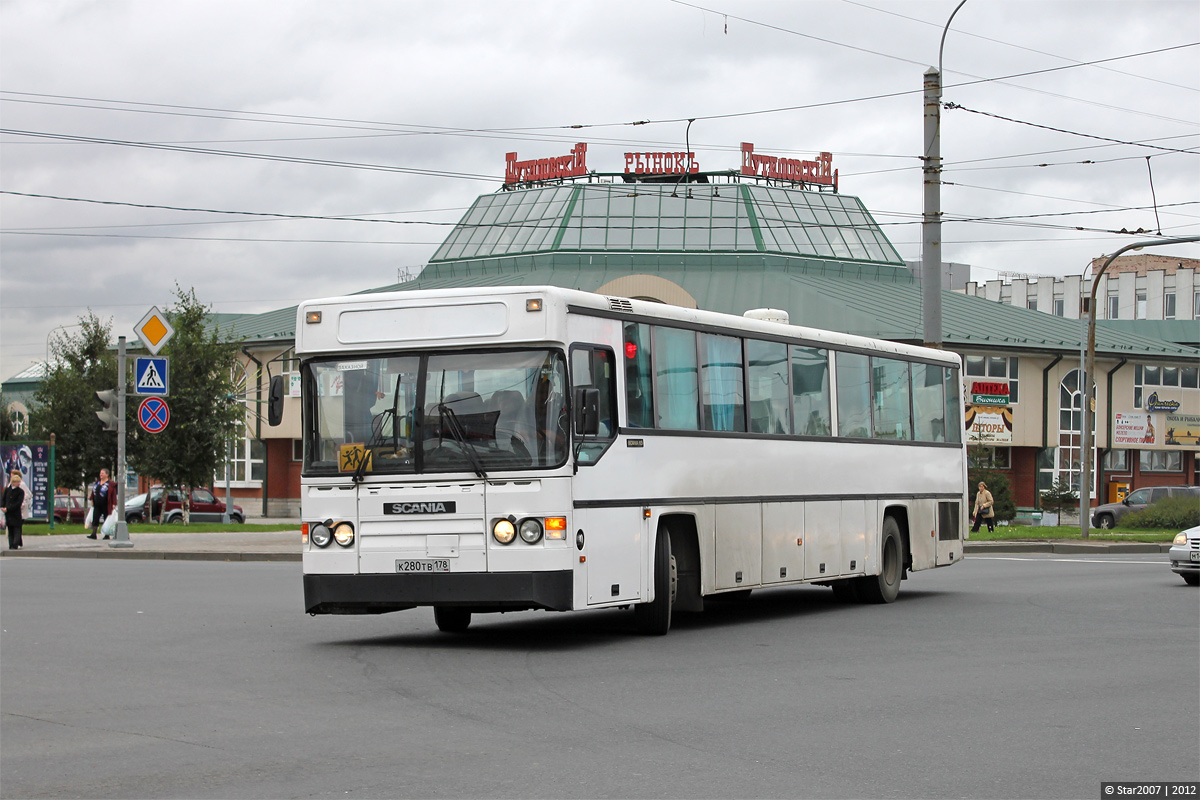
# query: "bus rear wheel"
[451,619]
[654,618]
[884,587]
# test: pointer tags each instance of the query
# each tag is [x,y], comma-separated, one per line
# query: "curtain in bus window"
[768,373]
[721,372]
[929,403]
[954,406]
[810,391]
[675,379]
[639,406]
[890,388]
[854,395]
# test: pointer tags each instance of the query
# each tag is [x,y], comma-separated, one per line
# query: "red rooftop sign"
[789,169]
[661,163]
[544,169]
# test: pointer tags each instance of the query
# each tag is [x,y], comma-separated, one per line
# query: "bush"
[1173,513]
[1060,496]
[1000,487]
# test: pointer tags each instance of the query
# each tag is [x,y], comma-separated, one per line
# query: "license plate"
[423,565]
[1194,555]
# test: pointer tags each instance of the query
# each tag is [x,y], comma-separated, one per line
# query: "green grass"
[1023,533]
[42,529]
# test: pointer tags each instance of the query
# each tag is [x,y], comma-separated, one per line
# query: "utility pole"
[931,223]
[121,535]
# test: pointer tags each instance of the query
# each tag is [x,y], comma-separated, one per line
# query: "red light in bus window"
[630,350]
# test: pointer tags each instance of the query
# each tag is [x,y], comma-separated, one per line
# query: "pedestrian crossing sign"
[152,376]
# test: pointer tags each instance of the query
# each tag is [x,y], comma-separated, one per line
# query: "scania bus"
[494,449]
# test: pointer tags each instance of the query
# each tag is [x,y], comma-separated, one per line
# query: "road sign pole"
[121,537]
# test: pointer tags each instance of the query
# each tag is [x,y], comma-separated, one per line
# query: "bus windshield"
[453,412]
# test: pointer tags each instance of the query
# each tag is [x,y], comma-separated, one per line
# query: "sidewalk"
[285,546]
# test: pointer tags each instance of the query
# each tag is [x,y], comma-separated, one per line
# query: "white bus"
[485,450]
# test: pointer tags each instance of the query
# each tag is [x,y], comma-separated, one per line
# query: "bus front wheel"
[654,618]
[884,587]
[451,619]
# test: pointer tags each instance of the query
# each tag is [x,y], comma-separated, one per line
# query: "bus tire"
[884,587]
[654,618]
[452,619]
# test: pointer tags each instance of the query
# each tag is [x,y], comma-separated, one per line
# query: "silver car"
[1185,555]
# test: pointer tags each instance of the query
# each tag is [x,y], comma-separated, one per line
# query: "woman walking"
[13,501]
[983,509]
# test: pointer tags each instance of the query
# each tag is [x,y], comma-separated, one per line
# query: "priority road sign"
[152,376]
[154,330]
[153,415]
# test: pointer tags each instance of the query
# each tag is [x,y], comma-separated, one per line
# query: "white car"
[1185,555]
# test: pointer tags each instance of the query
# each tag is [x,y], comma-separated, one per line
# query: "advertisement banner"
[1183,430]
[32,459]
[1133,430]
[989,425]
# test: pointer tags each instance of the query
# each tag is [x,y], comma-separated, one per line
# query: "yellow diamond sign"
[154,330]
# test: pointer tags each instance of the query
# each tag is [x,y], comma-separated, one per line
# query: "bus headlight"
[503,531]
[320,535]
[531,531]
[343,534]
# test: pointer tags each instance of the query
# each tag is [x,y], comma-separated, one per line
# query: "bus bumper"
[481,591]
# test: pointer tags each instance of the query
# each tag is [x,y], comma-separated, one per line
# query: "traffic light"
[109,415]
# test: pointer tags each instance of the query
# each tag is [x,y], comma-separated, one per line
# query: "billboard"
[1132,430]
[32,459]
[989,425]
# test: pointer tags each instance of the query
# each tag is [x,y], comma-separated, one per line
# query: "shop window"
[810,391]
[297,450]
[1160,461]
[247,463]
[987,457]
[1187,378]
[995,367]
[1116,461]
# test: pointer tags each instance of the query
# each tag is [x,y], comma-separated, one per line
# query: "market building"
[778,233]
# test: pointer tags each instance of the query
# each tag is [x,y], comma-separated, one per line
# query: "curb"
[151,555]
[1098,548]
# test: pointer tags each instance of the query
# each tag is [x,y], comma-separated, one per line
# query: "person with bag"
[13,501]
[104,502]
[984,510]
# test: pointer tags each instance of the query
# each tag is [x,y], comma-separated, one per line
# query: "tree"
[7,429]
[1059,496]
[81,363]
[204,409]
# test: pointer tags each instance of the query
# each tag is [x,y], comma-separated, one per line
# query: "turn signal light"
[303,533]
[556,527]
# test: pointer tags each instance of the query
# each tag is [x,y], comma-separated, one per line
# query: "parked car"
[1185,556]
[205,507]
[69,508]
[1109,514]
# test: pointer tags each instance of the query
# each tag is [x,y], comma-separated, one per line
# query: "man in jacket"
[104,502]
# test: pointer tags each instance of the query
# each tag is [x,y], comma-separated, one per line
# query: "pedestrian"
[984,510]
[13,501]
[104,502]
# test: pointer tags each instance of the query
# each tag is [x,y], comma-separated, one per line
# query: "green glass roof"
[666,217]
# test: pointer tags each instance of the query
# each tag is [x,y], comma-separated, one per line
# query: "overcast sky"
[403,111]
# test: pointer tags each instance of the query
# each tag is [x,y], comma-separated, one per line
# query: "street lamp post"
[1085,484]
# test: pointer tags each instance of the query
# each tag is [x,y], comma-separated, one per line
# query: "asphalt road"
[1004,676]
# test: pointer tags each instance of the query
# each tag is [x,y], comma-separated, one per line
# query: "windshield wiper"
[375,440]
[460,436]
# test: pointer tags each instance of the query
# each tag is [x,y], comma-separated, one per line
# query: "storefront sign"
[661,163]
[1183,430]
[989,393]
[544,169]
[1132,429]
[789,169]
[1154,404]
[989,425]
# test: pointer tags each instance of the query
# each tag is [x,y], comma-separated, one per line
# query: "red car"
[69,508]
[205,507]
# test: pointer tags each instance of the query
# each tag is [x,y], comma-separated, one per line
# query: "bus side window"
[639,405]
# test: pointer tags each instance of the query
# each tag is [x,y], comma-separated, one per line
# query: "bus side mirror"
[587,411]
[275,401]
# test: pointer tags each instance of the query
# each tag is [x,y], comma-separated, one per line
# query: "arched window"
[1065,461]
